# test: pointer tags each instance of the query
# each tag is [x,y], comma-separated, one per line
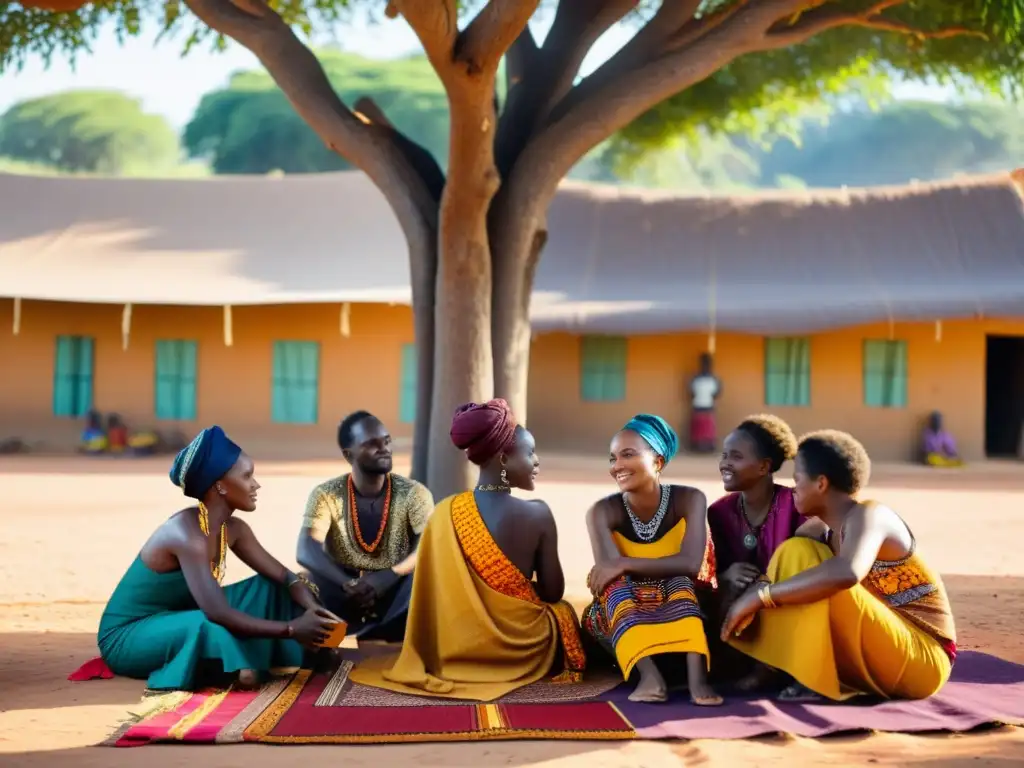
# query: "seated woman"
[749,523]
[170,621]
[650,544]
[938,445]
[117,434]
[486,615]
[94,439]
[861,611]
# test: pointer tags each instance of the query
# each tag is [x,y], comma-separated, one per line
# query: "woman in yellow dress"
[651,544]
[859,611]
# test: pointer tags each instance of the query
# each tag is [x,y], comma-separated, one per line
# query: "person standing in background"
[705,389]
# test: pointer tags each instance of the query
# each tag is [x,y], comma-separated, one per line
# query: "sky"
[172,85]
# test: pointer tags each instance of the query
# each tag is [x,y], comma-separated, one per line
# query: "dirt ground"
[70,527]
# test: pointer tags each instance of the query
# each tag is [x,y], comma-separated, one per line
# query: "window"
[175,380]
[787,371]
[407,393]
[296,385]
[602,369]
[72,376]
[885,373]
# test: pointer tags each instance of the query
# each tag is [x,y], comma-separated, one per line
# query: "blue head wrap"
[657,433]
[203,462]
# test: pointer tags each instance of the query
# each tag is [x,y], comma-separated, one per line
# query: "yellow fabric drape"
[849,643]
[463,639]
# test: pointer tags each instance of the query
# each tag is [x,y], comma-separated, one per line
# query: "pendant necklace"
[751,538]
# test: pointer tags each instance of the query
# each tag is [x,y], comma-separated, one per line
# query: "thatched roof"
[617,259]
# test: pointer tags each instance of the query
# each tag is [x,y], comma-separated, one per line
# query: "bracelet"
[310,586]
[289,630]
[764,592]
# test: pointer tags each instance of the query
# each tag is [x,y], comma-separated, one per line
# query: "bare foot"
[701,692]
[652,688]
[248,678]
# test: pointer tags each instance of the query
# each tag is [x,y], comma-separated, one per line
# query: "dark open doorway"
[1004,394]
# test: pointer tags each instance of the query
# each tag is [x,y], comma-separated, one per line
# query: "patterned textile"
[329,520]
[631,602]
[916,592]
[342,692]
[498,572]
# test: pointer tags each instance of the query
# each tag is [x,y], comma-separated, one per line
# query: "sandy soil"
[69,528]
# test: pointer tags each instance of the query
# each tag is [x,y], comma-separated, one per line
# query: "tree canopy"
[93,131]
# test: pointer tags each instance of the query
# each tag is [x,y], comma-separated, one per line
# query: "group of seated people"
[114,438]
[807,591]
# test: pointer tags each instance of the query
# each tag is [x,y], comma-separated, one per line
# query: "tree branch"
[538,78]
[630,83]
[435,23]
[381,152]
[520,59]
[488,36]
[822,19]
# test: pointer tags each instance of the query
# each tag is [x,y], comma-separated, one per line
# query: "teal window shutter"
[885,373]
[602,369]
[296,382]
[175,396]
[407,403]
[72,376]
[787,371]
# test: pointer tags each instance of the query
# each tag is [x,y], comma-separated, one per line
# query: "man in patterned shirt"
[360,532]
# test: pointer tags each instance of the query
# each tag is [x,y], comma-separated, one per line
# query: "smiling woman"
[651,545]
[170,621]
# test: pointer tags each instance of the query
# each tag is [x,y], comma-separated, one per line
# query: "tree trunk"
[463,365]
[423,273]
[517,240]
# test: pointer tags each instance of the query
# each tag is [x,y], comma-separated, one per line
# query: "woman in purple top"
[754,518]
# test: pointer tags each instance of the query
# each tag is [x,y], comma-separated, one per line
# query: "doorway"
[1004,395]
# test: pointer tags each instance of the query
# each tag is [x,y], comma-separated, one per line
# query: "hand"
[380,582]
[739,576]
[603,574]
[314,626]
[741,614]
[360,592]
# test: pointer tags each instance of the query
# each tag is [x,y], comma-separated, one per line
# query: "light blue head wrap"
[657,433]
[203,462]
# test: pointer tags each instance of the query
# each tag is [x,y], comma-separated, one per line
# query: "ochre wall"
[946,375]
[234,383]
[363,371]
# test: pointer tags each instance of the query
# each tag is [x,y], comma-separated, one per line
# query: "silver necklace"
[646,531]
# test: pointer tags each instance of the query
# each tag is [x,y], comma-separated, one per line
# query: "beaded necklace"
[218,570]
[646,531]
[353,511]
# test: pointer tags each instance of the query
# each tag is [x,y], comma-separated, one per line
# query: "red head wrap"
[483,431]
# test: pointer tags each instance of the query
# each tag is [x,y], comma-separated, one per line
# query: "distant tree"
[476,233]
[91,131]
[250,127]
[902,142]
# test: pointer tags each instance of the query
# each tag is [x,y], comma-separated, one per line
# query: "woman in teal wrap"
[170,621]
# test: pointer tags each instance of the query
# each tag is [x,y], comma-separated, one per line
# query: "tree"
[476,233]
[90,131]
[249,126]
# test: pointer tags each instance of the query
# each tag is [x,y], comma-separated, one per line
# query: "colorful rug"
[984,691]
[342,692]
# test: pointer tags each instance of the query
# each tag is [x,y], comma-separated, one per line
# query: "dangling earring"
[504,477]
[220,490]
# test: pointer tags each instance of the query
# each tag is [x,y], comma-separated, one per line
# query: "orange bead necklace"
[353,510]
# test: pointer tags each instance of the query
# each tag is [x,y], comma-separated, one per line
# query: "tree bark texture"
[474,249]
